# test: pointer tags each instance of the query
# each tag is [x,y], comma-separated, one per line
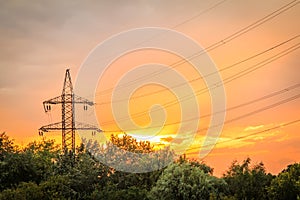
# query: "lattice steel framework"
[68,125]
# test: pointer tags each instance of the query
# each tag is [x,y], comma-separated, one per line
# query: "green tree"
[6,145]
[126,185]
[245,182]
[287,184]
[185,181]
[82,171]
[24,191]
[56,187]
[129,143]
[195,163]
[112,192]
[33,163]
[43,157]
[126,153]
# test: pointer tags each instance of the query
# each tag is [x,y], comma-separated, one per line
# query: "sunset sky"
[40,40]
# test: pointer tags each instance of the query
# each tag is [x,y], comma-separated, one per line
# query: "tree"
[6,146]
[127,154]
[128,143]
[24,191]
[56,187]
[33,163]
[42,167]
[195,163]
[112,192]
[119,150]
[287,184]
[185,181]
[82,171]
[245,182]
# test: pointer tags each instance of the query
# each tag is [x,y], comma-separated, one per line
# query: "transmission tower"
[68,125]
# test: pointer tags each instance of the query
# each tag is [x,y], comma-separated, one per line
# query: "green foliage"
[24,191]
[185,181]
[128,143]
[127,154]
[56,187]
[6,145]
[41,171]
[201,165]
[33,163]
[82,171]
[114,193]
[287,184]
[245,182]
[124,185]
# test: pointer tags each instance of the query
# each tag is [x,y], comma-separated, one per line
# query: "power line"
[255,112]
[214,45]
[273,94]
[227,80]
[210,74]
[188,20]
[251,69]
[259,110]
[244,115]
[185,21]
[199,14]
[237,75]
[252,134]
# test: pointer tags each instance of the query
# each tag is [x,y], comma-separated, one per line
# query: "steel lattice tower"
[67,125]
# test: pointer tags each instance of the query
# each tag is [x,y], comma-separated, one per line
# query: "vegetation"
[287,184]
[41,171]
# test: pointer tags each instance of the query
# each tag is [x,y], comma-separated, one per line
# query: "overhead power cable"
[239,117]
[199,14]
[251,134]
[213,46]
[207,75]
[225,81]
[273,94]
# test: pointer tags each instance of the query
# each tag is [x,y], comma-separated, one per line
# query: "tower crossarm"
[77,99]
[51,127]
[55,100]
[79,126]
[85,126]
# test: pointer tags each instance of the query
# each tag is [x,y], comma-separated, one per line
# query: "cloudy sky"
[40,39]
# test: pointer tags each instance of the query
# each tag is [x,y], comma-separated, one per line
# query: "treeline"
[41,171]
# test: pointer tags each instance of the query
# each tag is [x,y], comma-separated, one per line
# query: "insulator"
[40,133]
